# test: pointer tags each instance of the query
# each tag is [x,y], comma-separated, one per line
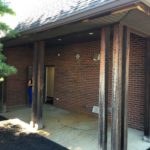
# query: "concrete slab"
[73,130]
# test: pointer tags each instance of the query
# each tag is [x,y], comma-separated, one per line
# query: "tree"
[5,69]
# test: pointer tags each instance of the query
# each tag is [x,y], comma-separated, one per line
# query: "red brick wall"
[21,58]
[136,82]
[76,82]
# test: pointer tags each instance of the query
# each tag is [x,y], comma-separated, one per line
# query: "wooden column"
[38,82]
[103,87]
[3,96]
[125,81]
[147,95]
[121,46]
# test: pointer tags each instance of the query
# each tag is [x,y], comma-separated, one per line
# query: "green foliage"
[12,34]
[4,27]
[5,69]
[4,9]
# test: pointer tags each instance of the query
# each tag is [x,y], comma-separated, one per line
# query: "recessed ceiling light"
[86,21]
[59,39]
[1,79]
[91,33]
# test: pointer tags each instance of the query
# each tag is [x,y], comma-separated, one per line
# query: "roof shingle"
[49,11]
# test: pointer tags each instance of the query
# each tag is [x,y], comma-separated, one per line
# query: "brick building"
[71,44]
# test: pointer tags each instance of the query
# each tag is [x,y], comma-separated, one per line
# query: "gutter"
[98,11]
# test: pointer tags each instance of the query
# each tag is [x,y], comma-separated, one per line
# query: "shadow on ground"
[2,118]
[13,138]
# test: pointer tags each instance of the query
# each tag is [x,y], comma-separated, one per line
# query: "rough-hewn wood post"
[147,95]
[103,87]
[1,96]
[120,72]
[38,81]
[125,81]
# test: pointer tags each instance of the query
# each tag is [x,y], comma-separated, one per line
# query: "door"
[49,84]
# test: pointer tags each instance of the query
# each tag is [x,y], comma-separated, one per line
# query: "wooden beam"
[120,87]
[34,84]
[116,88]
[125,81]
[147,95]
[40,83]
[103,87]
[3,96]
[38,80]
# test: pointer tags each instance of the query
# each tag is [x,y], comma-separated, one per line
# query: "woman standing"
[30,92]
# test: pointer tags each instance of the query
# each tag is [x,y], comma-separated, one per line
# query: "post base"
[146,139]
[3,109]
[36,126]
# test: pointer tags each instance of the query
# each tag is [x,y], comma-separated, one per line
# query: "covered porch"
[113,31]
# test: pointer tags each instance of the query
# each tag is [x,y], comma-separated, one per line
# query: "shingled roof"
[48,11]
[43,12]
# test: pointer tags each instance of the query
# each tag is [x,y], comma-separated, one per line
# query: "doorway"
[49,84]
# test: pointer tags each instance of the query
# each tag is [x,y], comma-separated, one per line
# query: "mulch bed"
[13,137]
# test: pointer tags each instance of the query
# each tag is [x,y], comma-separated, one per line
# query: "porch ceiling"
[138,20]
[82,26]
[91,35]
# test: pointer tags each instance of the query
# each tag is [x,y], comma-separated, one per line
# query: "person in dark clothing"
[30,92]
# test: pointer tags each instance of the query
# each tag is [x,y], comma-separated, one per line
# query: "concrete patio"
[73,130]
